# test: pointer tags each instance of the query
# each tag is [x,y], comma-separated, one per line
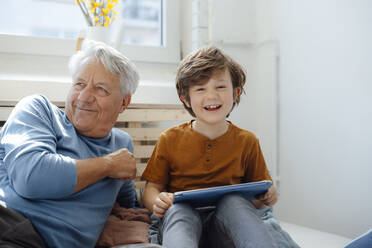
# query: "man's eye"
[79,84]
[102,91]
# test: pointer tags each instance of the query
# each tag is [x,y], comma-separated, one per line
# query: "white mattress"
[310,238]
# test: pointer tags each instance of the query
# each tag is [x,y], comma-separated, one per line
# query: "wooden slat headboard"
[144,122]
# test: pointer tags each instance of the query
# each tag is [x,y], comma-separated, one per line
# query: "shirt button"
[208,159]
[209,146]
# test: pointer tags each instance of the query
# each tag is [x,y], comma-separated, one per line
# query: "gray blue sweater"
[38,174]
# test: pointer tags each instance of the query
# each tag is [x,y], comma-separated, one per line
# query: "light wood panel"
[143,122]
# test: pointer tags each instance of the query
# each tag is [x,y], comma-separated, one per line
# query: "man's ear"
[185,101]
[125,103]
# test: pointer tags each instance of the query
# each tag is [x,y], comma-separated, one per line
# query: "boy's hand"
[270,197]
[162,203]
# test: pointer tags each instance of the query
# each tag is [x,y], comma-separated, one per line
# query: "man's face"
[95,100]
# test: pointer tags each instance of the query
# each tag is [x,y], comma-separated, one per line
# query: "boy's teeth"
[212,106]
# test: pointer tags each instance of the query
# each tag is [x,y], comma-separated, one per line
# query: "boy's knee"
[182,211]
[233,203]
[233,199]
[180,208]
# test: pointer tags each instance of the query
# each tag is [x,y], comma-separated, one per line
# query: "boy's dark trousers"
[17,232]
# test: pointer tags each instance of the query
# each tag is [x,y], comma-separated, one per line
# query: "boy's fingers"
[261,197]
[161,204]
[270,202]
[165,197]
[157,210]
[271,192]
[170,195]
[158,215]
[271,199]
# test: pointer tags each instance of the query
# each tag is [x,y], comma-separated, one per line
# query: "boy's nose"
[212,94]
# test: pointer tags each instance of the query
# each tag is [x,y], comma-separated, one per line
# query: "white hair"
[113,61]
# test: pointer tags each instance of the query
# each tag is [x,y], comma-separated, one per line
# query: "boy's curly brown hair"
[198,68]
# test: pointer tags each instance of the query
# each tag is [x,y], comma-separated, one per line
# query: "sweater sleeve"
[127,194]
[35,169]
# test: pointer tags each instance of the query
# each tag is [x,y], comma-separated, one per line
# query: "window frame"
[168,53]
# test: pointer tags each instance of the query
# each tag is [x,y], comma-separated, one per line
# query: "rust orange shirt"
[184,159]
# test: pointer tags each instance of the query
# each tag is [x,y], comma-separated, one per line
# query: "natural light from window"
[141,20]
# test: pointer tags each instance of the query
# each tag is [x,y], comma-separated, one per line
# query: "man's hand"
[270,197]
[121,165]
[162,203]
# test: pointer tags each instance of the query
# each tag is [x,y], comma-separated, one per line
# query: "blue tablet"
[364,241]
[209,196]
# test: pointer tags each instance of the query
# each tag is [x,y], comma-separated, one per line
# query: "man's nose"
[86,94]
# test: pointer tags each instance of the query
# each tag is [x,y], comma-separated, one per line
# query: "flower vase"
[102,34]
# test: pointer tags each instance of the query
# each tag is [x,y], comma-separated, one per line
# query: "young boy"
[206,152]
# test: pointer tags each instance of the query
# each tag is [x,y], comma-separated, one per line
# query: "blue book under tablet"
[209,196]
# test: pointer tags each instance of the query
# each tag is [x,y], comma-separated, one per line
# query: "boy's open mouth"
[212,107]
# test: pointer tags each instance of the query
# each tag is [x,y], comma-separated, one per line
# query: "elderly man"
[61,172]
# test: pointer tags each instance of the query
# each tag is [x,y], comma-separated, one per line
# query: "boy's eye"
[221,87]
[199,89]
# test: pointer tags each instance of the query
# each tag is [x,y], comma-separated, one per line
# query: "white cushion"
[309,238]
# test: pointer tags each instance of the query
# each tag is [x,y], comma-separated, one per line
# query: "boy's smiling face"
[213,100]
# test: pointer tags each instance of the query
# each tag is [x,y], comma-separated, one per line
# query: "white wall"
[234,28]
[326,114]
[22,75]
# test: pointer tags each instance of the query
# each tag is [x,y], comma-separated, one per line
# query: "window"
[142,21]
[50,27]
[59,19]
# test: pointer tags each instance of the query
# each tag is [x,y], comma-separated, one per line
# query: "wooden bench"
[144,122]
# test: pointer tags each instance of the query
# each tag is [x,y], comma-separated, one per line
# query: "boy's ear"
[185,101]
[237,92]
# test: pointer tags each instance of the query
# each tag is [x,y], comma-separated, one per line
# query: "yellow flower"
[110,6]
[96,8]
[105,12]
[95,4]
